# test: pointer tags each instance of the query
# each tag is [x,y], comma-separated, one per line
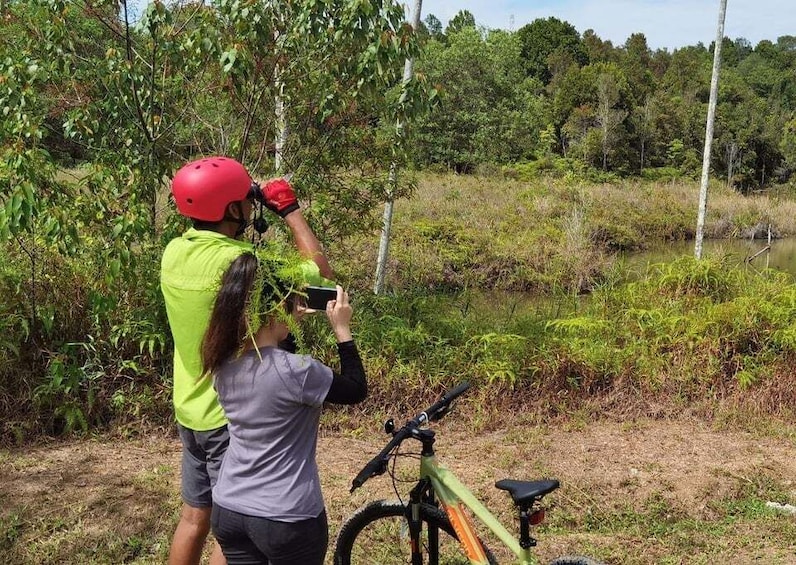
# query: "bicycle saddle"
[524,492]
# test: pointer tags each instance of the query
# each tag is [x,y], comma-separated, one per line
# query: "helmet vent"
[190,200]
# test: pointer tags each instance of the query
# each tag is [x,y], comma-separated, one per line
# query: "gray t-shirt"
[273,405]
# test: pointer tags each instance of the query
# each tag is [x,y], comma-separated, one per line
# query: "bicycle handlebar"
[437,410]
[378,465]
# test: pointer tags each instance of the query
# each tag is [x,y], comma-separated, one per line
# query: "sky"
[666,24]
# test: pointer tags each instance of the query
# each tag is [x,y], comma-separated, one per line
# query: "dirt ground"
[81,490]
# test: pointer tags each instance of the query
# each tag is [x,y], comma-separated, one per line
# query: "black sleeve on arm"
[350,385]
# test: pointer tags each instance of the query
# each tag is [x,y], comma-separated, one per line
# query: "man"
[218,195]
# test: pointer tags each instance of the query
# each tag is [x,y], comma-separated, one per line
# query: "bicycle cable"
[392,475]
[394,456]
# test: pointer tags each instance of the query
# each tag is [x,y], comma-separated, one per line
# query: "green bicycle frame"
[453,495]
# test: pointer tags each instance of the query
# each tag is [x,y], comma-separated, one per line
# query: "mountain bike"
[432,525]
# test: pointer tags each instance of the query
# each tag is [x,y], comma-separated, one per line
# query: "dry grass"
[466,231]
[635,492]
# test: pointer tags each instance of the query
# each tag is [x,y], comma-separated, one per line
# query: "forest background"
[528,160]
[529,164]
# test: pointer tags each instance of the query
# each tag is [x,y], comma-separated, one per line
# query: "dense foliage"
[687,335]
[99,108]
[547,91]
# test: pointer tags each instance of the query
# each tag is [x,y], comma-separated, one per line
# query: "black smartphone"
[318,296]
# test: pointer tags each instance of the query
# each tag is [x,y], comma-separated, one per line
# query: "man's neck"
[228,229]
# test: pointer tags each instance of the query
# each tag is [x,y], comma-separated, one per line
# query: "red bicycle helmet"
[203,188]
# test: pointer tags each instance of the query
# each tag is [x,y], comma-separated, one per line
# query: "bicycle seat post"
[526,541]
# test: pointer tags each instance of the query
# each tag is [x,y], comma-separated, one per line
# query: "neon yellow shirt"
[190,274]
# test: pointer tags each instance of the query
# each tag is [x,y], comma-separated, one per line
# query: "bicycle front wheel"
[379,533]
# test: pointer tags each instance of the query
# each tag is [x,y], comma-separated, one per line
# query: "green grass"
[700,336]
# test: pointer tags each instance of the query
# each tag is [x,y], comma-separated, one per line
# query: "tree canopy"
[547,90]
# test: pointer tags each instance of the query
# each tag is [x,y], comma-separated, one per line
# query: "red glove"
[279,197]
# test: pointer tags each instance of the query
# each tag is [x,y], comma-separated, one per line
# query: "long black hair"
[229,322]
[227,328]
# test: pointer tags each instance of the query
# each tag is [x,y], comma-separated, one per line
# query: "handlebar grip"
[434,410]
[378,464]
[458,390]
[374,467]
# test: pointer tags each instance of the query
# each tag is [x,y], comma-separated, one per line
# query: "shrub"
[77,338]
[662,174]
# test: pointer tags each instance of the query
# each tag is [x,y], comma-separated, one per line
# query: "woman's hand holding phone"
[339,312]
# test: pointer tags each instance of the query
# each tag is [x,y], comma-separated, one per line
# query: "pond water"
[781,256]
[501,308]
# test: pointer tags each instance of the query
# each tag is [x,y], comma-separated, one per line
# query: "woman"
[267,502]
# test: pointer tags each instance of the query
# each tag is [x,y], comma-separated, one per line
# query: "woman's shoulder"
[296,361]
[269,358]
[266,357]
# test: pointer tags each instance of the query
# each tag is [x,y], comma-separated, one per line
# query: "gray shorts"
[202,453]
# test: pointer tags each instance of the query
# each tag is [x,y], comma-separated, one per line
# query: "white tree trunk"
[384,243]
[714,86]
[281,123]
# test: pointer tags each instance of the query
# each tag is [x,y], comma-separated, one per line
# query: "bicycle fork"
[422,493]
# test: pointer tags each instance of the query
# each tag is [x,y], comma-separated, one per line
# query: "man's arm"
[307,244]
[280,197]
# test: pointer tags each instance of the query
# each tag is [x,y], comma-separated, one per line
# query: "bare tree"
[714,87]
[609,118]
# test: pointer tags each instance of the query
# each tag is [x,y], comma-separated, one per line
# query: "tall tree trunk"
[384,243]
[732,152]
[281,123]
[714,87]
[643,147]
